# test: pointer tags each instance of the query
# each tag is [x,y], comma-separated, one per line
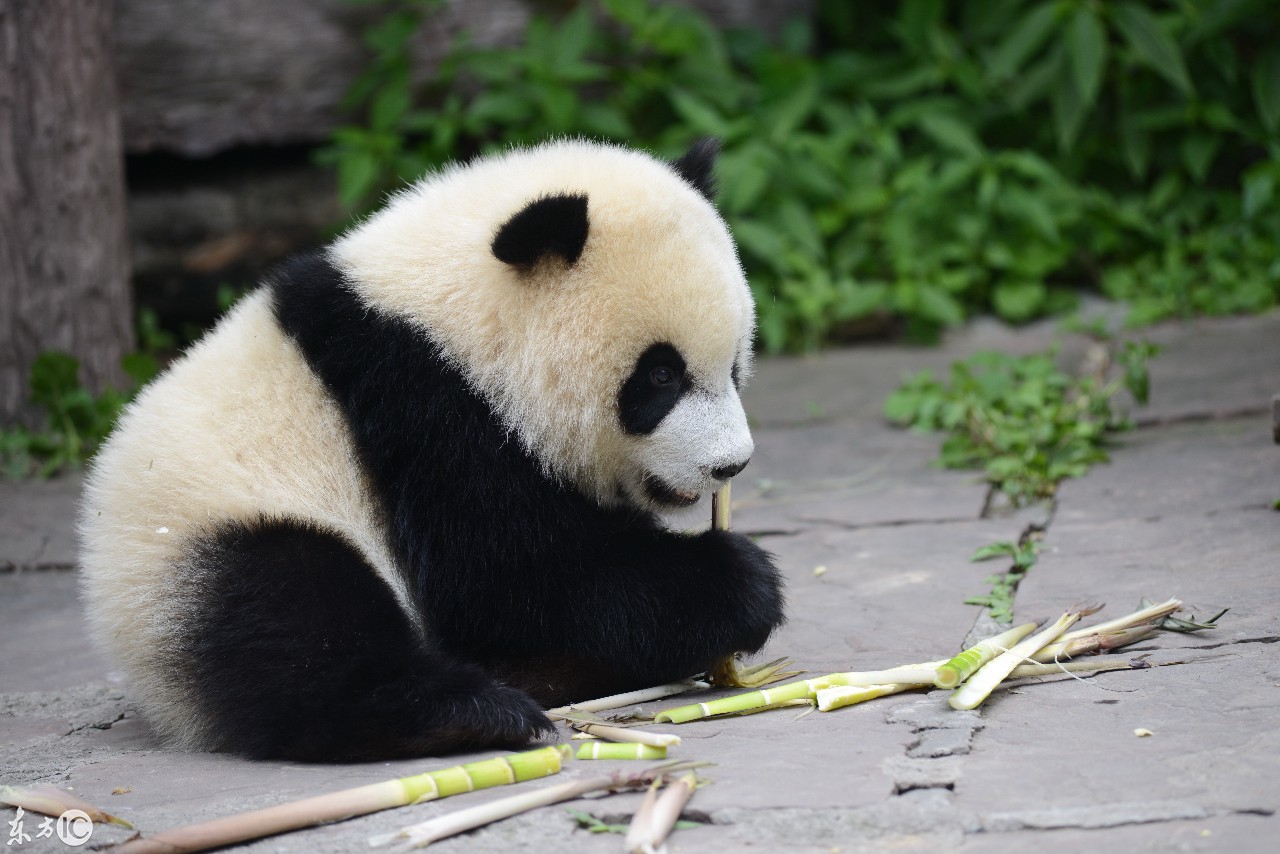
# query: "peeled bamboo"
[349,803]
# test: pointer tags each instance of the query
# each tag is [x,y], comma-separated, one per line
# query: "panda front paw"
[753,599]
[501,716]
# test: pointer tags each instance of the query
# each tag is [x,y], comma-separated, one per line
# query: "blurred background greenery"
[898,167]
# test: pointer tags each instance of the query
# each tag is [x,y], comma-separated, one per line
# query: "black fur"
[643,401]
[297,650]
[515,573]
[697,166]
[551,225]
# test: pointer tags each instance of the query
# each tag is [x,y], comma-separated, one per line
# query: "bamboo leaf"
[1153,45]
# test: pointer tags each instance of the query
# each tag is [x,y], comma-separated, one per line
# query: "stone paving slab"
[1182,509]
[37,523]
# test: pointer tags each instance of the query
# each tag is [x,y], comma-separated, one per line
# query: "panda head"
[592,295]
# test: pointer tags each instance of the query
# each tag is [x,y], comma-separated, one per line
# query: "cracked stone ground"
[1183,509]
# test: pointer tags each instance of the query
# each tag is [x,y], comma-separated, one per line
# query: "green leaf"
[1266,87]
[391,103]
[1019,301]
[357,172]
[1153,45]
[53,377]
[995,550]
[1068,111]
[1087,52]
[1259,188]
[701,115]
[1135,143]
[938,305]
[951,132]
[1025,38]
[140,367]
[1198,151]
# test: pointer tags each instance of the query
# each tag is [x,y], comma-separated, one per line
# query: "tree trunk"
[64,267]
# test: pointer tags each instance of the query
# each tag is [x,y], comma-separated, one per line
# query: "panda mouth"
[664,493]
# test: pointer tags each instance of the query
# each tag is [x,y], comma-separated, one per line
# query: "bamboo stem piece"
[839,696]
[626,734]
[616,750]
[337,806]
[1146,615]
[802,689]
[1089,644]
[52,801]
[630,698]
[1094,666]
[960,668]
[639,832]
[666,812]
[979,686]
[433,830]
[721,511]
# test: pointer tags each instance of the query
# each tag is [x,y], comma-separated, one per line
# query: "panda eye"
[662,375]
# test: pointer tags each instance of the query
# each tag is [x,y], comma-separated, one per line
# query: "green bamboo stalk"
[802,689]
[979,686]
[616,750]
[424,833]
[960,668]
[337,806]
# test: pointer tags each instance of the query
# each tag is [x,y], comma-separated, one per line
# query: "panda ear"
[549,225]
[697,164]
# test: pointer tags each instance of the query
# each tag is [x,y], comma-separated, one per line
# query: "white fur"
[550,349]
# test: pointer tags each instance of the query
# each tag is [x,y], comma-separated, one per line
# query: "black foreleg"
[634,607]
[296,649]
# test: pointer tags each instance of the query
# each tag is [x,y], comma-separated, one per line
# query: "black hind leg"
[296,649]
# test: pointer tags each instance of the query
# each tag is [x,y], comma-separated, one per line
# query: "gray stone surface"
[1183,509]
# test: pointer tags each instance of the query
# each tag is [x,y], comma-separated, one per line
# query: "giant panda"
[412,489]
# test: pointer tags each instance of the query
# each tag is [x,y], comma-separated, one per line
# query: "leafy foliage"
[999,601]
[76,421]
[920,161]
[1020,419]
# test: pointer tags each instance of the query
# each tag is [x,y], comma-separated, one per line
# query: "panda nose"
[726,472]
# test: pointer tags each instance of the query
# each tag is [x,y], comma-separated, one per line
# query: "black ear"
[697,164]
[552,224]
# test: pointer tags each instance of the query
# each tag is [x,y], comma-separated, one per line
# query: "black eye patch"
[656,383]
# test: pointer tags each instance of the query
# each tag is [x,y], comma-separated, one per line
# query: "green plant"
[76,421]
[888,162]
[999,601]
[1020,419]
